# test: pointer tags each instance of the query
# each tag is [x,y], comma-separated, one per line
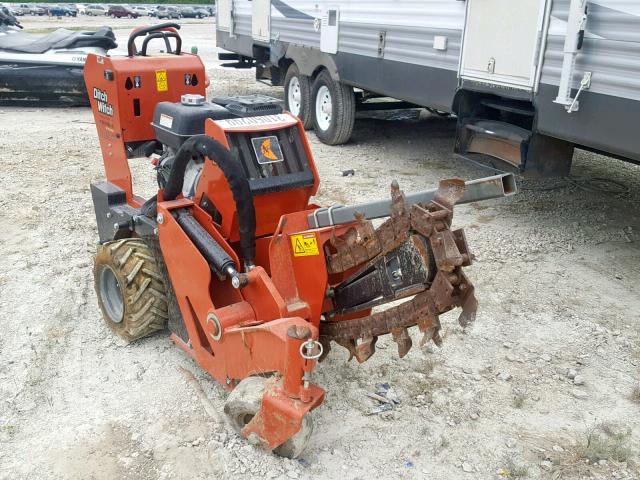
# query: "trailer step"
[507,105]
[501,140]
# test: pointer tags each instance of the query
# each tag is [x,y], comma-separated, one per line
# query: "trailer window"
[332,18]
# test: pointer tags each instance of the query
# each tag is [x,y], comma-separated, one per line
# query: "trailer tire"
[130,289]
[245,401]
[334,109]
[297,95]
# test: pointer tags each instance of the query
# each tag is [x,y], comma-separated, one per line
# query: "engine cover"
[174,123]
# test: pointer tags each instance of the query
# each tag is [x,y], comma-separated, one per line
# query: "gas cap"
[192,99]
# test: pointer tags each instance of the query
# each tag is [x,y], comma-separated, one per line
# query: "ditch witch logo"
[102,101]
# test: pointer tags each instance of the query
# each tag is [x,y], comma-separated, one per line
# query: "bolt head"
[116,226]
[235,282]
[108,214]
[160,218]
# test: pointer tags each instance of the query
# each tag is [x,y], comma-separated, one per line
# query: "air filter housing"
[250,105]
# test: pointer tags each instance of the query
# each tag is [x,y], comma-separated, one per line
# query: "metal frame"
[502,185]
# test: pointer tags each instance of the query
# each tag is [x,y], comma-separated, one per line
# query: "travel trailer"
[528,80]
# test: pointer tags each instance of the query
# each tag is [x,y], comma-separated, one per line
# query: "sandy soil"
[544,385]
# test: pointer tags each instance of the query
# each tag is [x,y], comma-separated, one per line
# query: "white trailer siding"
[611,48]
[410,26]
[420,59]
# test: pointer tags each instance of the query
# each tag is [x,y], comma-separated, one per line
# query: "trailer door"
[224,16]
[501,43]
[261,20]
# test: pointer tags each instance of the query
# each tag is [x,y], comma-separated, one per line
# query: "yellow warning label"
[304,245]
[162,84]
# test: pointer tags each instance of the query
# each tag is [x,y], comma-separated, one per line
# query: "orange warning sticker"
[162,83]
[267,149]
[304,245]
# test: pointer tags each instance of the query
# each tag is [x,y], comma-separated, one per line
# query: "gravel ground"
[544,385]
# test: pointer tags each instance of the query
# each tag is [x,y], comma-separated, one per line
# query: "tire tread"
[144,292]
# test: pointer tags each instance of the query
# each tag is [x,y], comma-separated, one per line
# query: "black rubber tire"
[305,95]
[142,293]
[244,402]
[343,110]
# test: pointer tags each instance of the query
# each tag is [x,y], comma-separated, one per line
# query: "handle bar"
[163,30]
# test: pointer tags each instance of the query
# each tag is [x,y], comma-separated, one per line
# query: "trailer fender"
[309,59]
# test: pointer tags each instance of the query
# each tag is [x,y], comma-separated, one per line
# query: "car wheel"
[297,95]
[334,109]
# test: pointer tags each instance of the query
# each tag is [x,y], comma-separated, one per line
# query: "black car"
[59,11]
[202,12]
[188,12]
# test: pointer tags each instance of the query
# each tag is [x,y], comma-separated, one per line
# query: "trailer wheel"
[244,402]
[297,95]
[130,289]
[334,109]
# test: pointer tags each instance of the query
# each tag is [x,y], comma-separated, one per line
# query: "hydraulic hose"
[233,172]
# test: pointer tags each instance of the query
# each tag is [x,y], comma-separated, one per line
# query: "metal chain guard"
[449,289]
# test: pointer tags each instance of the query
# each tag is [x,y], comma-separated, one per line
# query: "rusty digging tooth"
[469,306]
[450,288]
[428,335]
[402,338]
[365,349]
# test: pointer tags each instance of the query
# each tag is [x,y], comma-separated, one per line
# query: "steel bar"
[497,186]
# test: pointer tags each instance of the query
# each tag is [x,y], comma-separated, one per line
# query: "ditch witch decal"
[102,100]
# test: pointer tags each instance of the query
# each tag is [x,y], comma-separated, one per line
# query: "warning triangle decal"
[299,248]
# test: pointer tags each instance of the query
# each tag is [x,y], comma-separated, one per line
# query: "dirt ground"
[544,385]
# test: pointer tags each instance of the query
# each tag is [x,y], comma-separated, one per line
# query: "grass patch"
[512,468]
[8,430]
[604,443]
[601,442]
[424,386]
